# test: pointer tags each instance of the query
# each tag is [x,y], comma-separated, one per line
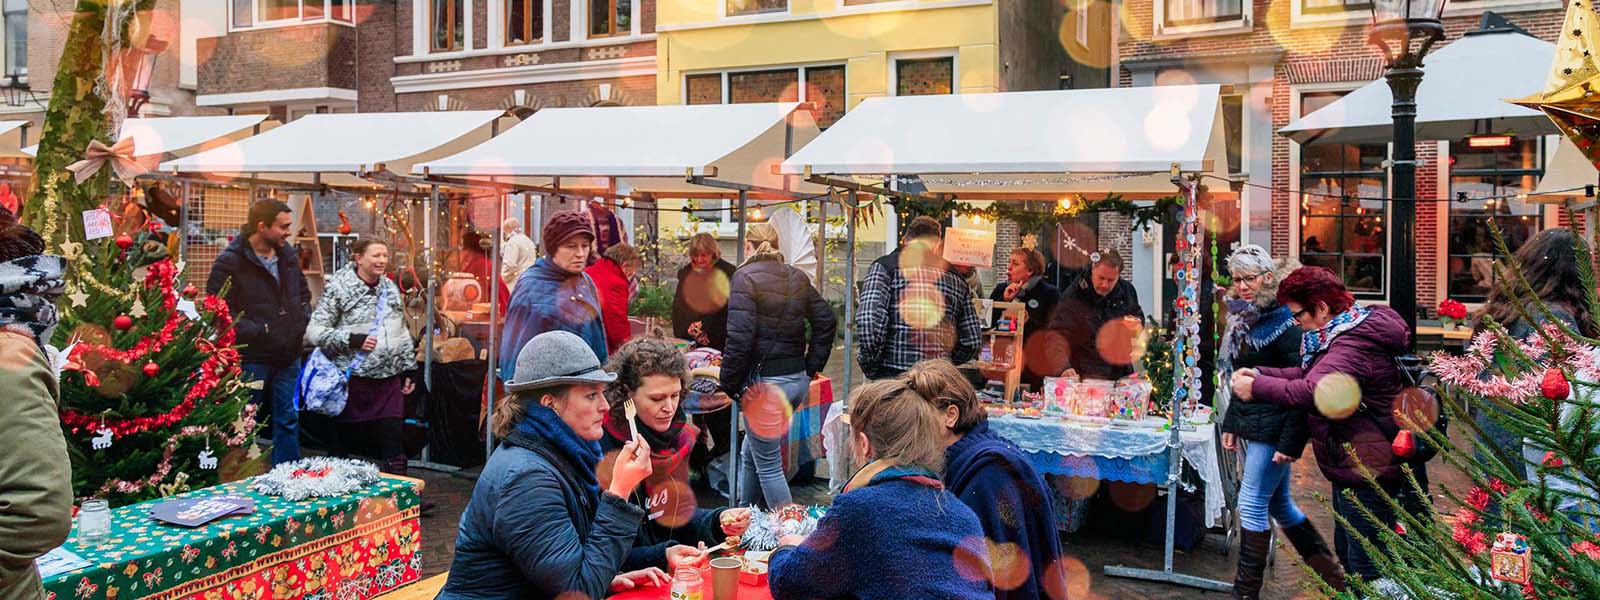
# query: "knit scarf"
[668,449]
[1316,341]
[29,287]
[543,423]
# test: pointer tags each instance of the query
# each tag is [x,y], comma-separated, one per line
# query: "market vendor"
[1086,307]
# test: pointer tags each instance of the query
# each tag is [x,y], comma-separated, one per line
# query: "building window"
[752,7]
[1233,130]
[524,21]
[925,76]
[703,89]
[764,86]
[1195,12]
[1081,23]
[248,13]
[1342,216]
[1322,7]
[16,15]
[342,10]
[279,10]
[610,17]
[822,86]
[825,91]
[1485,176]
[445,29]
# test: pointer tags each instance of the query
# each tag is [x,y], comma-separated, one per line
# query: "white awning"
[1098,140]
[1464,90]
[11,133]
[340,146]
[647,148]
[155,139]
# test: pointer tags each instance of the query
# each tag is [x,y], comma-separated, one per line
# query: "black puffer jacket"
[769,306]
[270,313]
[1270,343]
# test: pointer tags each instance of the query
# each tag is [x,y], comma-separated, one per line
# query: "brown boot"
[1315,552]
[1254,546]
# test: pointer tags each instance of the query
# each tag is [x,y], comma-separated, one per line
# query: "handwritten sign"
[969,247]
[96,224]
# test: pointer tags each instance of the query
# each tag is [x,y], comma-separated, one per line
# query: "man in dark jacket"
[267,294]
[941,322]
[1086,307]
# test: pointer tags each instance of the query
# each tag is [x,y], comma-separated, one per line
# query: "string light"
[1065,203]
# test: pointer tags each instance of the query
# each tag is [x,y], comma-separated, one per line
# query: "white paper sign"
[58,561]
[187,308]
[969,247]
[96,224]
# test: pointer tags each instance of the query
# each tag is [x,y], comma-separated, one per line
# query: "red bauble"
[122,322]
[151,368]
[124,241]
[189,291]
[1555,386]
[1404,444]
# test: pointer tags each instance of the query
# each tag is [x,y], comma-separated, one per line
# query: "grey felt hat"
[556,358]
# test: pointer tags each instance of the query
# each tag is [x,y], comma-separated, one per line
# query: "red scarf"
[668,449]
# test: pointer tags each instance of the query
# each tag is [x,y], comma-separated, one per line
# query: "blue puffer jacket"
[550,299]
[532,530]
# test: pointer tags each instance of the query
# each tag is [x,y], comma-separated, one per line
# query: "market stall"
[1137,144]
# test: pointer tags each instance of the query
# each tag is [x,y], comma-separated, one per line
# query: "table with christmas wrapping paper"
[350,547]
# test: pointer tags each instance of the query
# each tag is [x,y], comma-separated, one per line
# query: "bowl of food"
[753,573]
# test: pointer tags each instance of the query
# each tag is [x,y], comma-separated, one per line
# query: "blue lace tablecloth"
[1136,454]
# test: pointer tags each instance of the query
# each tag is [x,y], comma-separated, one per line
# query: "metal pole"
[1404,75]
[183,224]
[735,464]
[849,296]
[494,315]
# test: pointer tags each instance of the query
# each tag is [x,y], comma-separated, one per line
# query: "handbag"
[324,388]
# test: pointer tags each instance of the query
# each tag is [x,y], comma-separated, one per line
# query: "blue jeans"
[279,391]
[1265,490]
[761,469]
[1351,554]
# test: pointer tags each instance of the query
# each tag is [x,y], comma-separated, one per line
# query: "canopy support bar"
[877,190]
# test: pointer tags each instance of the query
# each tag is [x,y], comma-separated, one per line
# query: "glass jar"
[687,584]
[94,523]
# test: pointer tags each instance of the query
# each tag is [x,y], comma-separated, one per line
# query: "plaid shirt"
[942,320]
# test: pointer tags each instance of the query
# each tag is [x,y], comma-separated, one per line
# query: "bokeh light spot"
[1076,488]
[971,559]
[1131,497]
[1010,564]
[1337,395]
[767,411]
[1416,409]
[1115,340]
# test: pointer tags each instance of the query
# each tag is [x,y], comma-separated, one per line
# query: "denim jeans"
[279,391]
[1265,490]
[766,432]
[1351,554]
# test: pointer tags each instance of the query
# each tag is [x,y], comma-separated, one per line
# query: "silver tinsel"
[343,475]
[765,529]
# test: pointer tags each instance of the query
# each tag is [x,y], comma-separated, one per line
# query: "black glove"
[357,339]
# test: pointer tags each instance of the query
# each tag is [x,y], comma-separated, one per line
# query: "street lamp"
[16,92]
[140,92]
[1405,30]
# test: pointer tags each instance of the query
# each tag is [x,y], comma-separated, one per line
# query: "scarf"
[543,423]
[878,471]
[668,449]
[29,287]
[1315,342]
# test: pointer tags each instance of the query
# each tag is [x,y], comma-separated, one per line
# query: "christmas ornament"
[124,241]
[102,439]
[78,298]
[316,477]
[189,291]
[122,322]
[1554,386]
[207,461]
[344,224]
[151,368]
[138,311]
[1404,444]
[1510,558]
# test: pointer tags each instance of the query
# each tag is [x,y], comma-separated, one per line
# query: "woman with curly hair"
[652,374]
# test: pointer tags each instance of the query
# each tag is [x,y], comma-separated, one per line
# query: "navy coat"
[993,478]
[270,313]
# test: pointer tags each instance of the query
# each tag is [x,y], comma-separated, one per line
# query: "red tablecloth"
[746,592]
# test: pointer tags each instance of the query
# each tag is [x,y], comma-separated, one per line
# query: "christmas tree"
[151,399]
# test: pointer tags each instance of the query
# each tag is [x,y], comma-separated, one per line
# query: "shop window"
[1322,7]
[781,85]
[752,7]
[446,31]
[704,89]
[925,76]
[1178,13]
[610,17]
[1486,176]
[1342,214]
[16,16]
[1233,130]
[524,21]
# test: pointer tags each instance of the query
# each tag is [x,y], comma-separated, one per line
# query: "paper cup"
[725,578]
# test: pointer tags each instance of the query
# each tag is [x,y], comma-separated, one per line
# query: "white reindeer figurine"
[207,461]
[101,441]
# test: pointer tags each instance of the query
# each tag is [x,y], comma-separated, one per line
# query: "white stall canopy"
[165,138]
[650,149]
[1464,90]
[341,146]
[1121,140]
[12,137]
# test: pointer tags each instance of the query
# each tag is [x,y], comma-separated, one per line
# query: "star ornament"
[1568,99]
[78,298]
[71,250]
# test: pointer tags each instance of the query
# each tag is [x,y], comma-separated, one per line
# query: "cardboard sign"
[969,247]
[96,224]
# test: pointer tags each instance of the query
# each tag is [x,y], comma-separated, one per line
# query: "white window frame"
[788,10]
[256,21]
[498,31]
[893,87]
[22,70]
[1160,30]
[1081,26]
[422,38]
[635,16]
[1295,93]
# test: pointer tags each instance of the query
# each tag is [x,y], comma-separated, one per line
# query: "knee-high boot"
[1315,552]
[1254,546]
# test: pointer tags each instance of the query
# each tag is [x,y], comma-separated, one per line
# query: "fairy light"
[1065,203]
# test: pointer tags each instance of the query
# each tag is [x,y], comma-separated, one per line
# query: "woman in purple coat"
[1347,384]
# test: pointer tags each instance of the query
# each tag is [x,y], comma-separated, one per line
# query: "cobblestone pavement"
[1106,539]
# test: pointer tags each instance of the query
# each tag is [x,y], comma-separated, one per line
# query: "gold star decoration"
[78,298]
[71,250]
[1568,98]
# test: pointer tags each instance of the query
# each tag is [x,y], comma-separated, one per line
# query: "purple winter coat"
[1365,353]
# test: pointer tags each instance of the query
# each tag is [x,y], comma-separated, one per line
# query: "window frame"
[1540,156]
[21,70]
[1161,29]
[466,36]
[1297,176]
[722,9]
[328,15]
[588,18]
[528,16]
[897,58]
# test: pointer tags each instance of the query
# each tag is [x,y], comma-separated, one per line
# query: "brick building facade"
[1317,203]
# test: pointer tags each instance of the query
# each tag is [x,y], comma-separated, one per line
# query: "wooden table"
[1458,334]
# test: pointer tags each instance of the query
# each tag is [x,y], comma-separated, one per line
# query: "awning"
[341,146]
[645,148]
[1122,140]
[161,138]
[1566,174]
[11,139]
[1464,90]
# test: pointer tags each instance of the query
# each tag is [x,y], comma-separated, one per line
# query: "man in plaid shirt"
[913,307]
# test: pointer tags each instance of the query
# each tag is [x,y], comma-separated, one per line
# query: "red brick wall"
[320,54]
[380,38]
[637,91]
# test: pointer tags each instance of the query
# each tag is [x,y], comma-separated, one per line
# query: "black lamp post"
[139,93]
[1405,30]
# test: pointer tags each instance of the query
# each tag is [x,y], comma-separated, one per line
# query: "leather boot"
[1315,553]
[1254,546]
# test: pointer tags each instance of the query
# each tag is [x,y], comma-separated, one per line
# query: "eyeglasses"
[1303,312]
[1250,279]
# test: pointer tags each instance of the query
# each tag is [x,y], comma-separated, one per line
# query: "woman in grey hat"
[538,524]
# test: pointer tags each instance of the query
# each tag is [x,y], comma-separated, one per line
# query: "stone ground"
[1106,539]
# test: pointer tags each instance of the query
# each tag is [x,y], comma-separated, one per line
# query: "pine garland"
[1142,215]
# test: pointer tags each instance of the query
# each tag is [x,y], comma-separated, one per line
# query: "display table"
[349,547]
[746,592]
[1133,453]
